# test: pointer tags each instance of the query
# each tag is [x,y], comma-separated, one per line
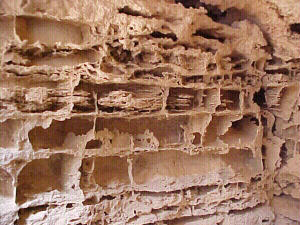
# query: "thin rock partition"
[162,112]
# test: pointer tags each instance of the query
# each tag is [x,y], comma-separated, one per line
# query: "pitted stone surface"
[149,112]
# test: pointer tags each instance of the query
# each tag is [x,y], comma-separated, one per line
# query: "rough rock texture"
[149,112]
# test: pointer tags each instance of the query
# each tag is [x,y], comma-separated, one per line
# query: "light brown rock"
[149,112]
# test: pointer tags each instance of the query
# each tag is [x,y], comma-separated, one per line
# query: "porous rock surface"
[149,112]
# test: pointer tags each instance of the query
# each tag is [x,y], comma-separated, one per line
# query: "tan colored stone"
[149,112]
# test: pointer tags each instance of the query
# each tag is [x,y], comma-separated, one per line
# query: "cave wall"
[149,112]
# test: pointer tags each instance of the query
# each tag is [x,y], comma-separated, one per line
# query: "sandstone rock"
[149,112]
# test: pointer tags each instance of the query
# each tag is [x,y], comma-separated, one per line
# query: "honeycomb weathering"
[150,112]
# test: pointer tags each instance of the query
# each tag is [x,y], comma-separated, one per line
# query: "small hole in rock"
[197,138]
[214,12]
[69,205]
[259,97]
[93,144]
[263,150]
[128,11]
[189,3]
[283,152]
[108,197]
[273,128]
[295,27]
[264,163]
[255,121]
[208,35]
[157,34]
[255,179]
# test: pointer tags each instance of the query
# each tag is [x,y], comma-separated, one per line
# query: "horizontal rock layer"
[149,112]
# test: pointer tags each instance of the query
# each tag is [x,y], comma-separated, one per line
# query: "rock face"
[149,112]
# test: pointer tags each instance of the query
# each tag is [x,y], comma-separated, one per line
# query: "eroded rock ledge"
[149,112]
